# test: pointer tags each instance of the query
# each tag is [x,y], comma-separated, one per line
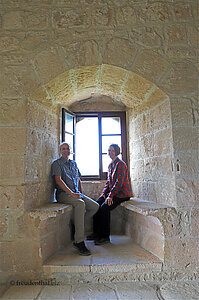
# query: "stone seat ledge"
[145,207]
[50,210]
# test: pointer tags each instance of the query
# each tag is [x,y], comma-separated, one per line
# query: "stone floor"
[121,254]
[109,291]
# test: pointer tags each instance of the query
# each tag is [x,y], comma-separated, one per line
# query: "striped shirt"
[118,180]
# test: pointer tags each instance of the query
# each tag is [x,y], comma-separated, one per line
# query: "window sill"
[93,181]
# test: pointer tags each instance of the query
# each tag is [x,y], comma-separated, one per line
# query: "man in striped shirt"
[116,191]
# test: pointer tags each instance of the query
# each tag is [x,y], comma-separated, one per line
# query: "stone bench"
[147,223]
[50,228]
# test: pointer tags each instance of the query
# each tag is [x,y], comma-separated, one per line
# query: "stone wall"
[151,155]
[42,138]
[147,232]
[58,52]
[12,192]
[186,152]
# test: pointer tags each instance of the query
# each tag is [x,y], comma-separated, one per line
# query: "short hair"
[63,143]
[116,148]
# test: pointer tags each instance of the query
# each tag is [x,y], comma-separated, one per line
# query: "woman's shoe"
[91,237]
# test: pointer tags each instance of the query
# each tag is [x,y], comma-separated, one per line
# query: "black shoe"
[92,237]
[102,241]
[82,248]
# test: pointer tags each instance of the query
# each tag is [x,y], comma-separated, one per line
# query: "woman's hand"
[109,201]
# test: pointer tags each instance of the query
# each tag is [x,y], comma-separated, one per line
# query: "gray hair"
[63,143]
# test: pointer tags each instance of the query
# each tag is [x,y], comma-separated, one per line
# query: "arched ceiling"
[81,83]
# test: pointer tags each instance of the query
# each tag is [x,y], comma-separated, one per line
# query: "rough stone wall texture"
[41,149]
[151,155]
[46,50]
[147,232]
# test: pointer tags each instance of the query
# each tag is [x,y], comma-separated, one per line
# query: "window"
[68,129]
[90,135]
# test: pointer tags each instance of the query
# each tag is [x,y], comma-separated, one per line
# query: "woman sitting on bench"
[116,191]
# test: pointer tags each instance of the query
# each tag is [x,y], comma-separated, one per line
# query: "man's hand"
[109,201]
[65,188]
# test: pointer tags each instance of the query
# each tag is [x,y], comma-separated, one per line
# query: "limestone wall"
[29,135]
[185,124]
[58,52]
[12,192]
[42,139]
[151,155]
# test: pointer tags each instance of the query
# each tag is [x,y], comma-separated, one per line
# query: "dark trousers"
[101,220]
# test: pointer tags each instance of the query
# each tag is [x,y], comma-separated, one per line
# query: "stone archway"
[148,119]
[124,86]
[149,134]
[149,128]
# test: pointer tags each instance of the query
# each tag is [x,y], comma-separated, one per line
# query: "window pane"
[106,160]
[87,145]
[108,140]
[111,125]
[69,123]
[69,140]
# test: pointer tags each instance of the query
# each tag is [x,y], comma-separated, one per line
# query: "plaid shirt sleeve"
[106,188]
[118,179]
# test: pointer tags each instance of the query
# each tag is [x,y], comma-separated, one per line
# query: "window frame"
[63,133]
[100,114]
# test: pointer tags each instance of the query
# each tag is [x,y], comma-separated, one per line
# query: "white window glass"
[69,122]
[105,162]
[87,145]
[111,125]
[108,140]
[69,140]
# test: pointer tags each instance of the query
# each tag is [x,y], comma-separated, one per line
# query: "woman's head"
[113,151]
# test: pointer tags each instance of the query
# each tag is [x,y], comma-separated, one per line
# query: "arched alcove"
[148,126]
[122,85]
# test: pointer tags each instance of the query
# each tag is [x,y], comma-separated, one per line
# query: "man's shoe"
[82,248]
[92,237]
[102,241]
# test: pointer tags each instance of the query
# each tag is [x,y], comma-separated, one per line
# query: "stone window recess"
[89,135]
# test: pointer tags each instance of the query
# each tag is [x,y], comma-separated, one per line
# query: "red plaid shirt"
[118,180]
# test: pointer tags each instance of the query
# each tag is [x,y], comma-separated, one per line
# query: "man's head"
[64,150]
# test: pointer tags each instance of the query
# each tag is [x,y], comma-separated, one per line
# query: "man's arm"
[65,188]
[80,186]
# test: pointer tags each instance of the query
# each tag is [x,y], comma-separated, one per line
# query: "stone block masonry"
[140,54]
